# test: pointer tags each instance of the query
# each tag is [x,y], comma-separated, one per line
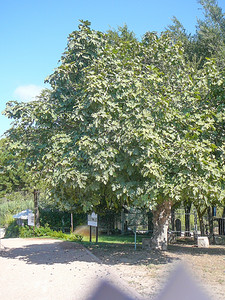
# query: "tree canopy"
[129,122]
[125,122]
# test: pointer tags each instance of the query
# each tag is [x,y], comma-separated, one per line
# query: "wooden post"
[96,234]
[90,233]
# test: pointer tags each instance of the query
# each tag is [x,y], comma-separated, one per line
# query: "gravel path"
[50,269]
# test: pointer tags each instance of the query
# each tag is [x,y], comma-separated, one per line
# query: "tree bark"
[122,221]
[187,220]
[150,221]
[161,218]
[201,220]
[173,218]
[36,209]
[201,223]
[223,216]
[71,221]
[210,219]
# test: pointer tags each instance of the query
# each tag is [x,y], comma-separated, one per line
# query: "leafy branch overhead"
[125,122]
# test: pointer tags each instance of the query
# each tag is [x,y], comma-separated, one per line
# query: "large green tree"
[120,123]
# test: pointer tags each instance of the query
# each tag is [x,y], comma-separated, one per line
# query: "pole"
[90,233]
[96,234]
[135,238]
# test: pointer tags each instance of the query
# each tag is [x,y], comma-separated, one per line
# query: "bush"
[12,230]
[26,231]
[74,237]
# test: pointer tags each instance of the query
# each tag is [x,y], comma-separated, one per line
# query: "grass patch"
[114,239]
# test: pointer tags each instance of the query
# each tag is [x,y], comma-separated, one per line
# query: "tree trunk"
[71,221]
[161,218]
[201,220]
[150,221]
[122,221]
[201,223]
[36,209]
[210,219]
[187,220]
[173,218]
[223,216]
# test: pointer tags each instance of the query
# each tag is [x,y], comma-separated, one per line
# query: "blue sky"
[34,34]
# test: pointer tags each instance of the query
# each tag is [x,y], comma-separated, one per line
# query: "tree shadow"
[108,253]
[113,254]
[48,253]
[195,251]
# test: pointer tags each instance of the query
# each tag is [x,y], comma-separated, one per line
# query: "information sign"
[30,220]
[93,220]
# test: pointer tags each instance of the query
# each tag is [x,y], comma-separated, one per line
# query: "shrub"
[26,231]
[74,237]
[12,230]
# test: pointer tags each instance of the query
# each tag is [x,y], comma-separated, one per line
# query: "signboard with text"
[93,220]
[30,220]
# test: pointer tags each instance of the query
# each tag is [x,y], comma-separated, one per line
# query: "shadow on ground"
[195,251]
[108,253]
[113,254]
[48,253]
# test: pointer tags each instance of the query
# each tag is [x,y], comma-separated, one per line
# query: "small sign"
[93,220]
[30,220]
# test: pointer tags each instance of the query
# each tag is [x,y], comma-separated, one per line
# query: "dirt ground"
[50,269]
[46,269]
[147,271]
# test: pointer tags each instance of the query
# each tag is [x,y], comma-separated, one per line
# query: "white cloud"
[27,93]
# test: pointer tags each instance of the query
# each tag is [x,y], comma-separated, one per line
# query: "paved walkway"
[50,269]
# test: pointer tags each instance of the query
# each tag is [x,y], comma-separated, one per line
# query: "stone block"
[203,242]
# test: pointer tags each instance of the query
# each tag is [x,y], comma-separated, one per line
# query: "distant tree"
[209,39]
[210,34]
[13,177]
[207,42]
